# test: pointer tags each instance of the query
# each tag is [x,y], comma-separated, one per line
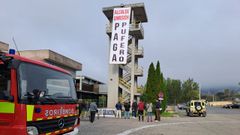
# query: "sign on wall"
[119,39]
[106,112]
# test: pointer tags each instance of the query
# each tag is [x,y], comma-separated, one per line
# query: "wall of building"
[53,58]
[219,103]
[3,46]
[90,91]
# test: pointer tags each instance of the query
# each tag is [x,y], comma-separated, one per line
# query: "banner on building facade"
[119,39]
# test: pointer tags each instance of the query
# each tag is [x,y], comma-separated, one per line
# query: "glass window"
[55,84]
[197,103]
[23,86]
[5,77]
[60,86]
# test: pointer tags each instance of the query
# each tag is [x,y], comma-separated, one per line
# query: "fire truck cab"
[36,98]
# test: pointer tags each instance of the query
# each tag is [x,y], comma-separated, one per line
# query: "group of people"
[139,108]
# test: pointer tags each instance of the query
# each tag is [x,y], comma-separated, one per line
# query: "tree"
[160,86]
[164,90]
[227,93]
[220,96]
[170,91]
[190,90]
[177,90]
[150,86]
[155,84]
[158,78]
[174,91]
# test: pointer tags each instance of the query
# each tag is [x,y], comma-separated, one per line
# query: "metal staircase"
[126,86]
[127,77]
[126,97]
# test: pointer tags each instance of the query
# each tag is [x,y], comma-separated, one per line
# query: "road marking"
[127,132]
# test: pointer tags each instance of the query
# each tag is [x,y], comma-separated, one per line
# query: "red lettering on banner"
[121,18]
[121,11]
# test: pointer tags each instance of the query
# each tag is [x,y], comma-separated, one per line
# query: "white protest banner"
[119,39]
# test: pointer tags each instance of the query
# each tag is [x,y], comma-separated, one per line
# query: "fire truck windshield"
[55,85]
[4,82]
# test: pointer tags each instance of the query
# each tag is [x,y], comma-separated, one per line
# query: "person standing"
[84,109]
[118,107]
[127,109]
[140,111]
[93,109]
[134,109]
[158,109]
[149,112]
[80,107]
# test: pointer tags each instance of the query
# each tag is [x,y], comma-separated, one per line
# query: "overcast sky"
[197,39]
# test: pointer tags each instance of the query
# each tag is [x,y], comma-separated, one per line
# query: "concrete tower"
[123,78]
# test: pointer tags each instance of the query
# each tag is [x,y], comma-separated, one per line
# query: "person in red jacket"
[140,110]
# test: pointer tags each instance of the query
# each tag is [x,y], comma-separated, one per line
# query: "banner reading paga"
[119,39]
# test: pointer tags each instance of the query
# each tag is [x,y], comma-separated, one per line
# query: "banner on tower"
[119,39]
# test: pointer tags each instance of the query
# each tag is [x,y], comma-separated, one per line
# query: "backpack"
[134,106]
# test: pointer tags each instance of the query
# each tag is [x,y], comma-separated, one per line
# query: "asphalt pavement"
[219,121]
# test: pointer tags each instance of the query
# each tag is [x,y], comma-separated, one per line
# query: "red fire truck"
[36,98]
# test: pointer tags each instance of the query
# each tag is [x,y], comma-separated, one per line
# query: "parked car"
[230,106]
[235,106]
[227,106]
[181,106]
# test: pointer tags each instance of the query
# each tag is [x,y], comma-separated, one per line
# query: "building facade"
[88,89]
[3,47]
